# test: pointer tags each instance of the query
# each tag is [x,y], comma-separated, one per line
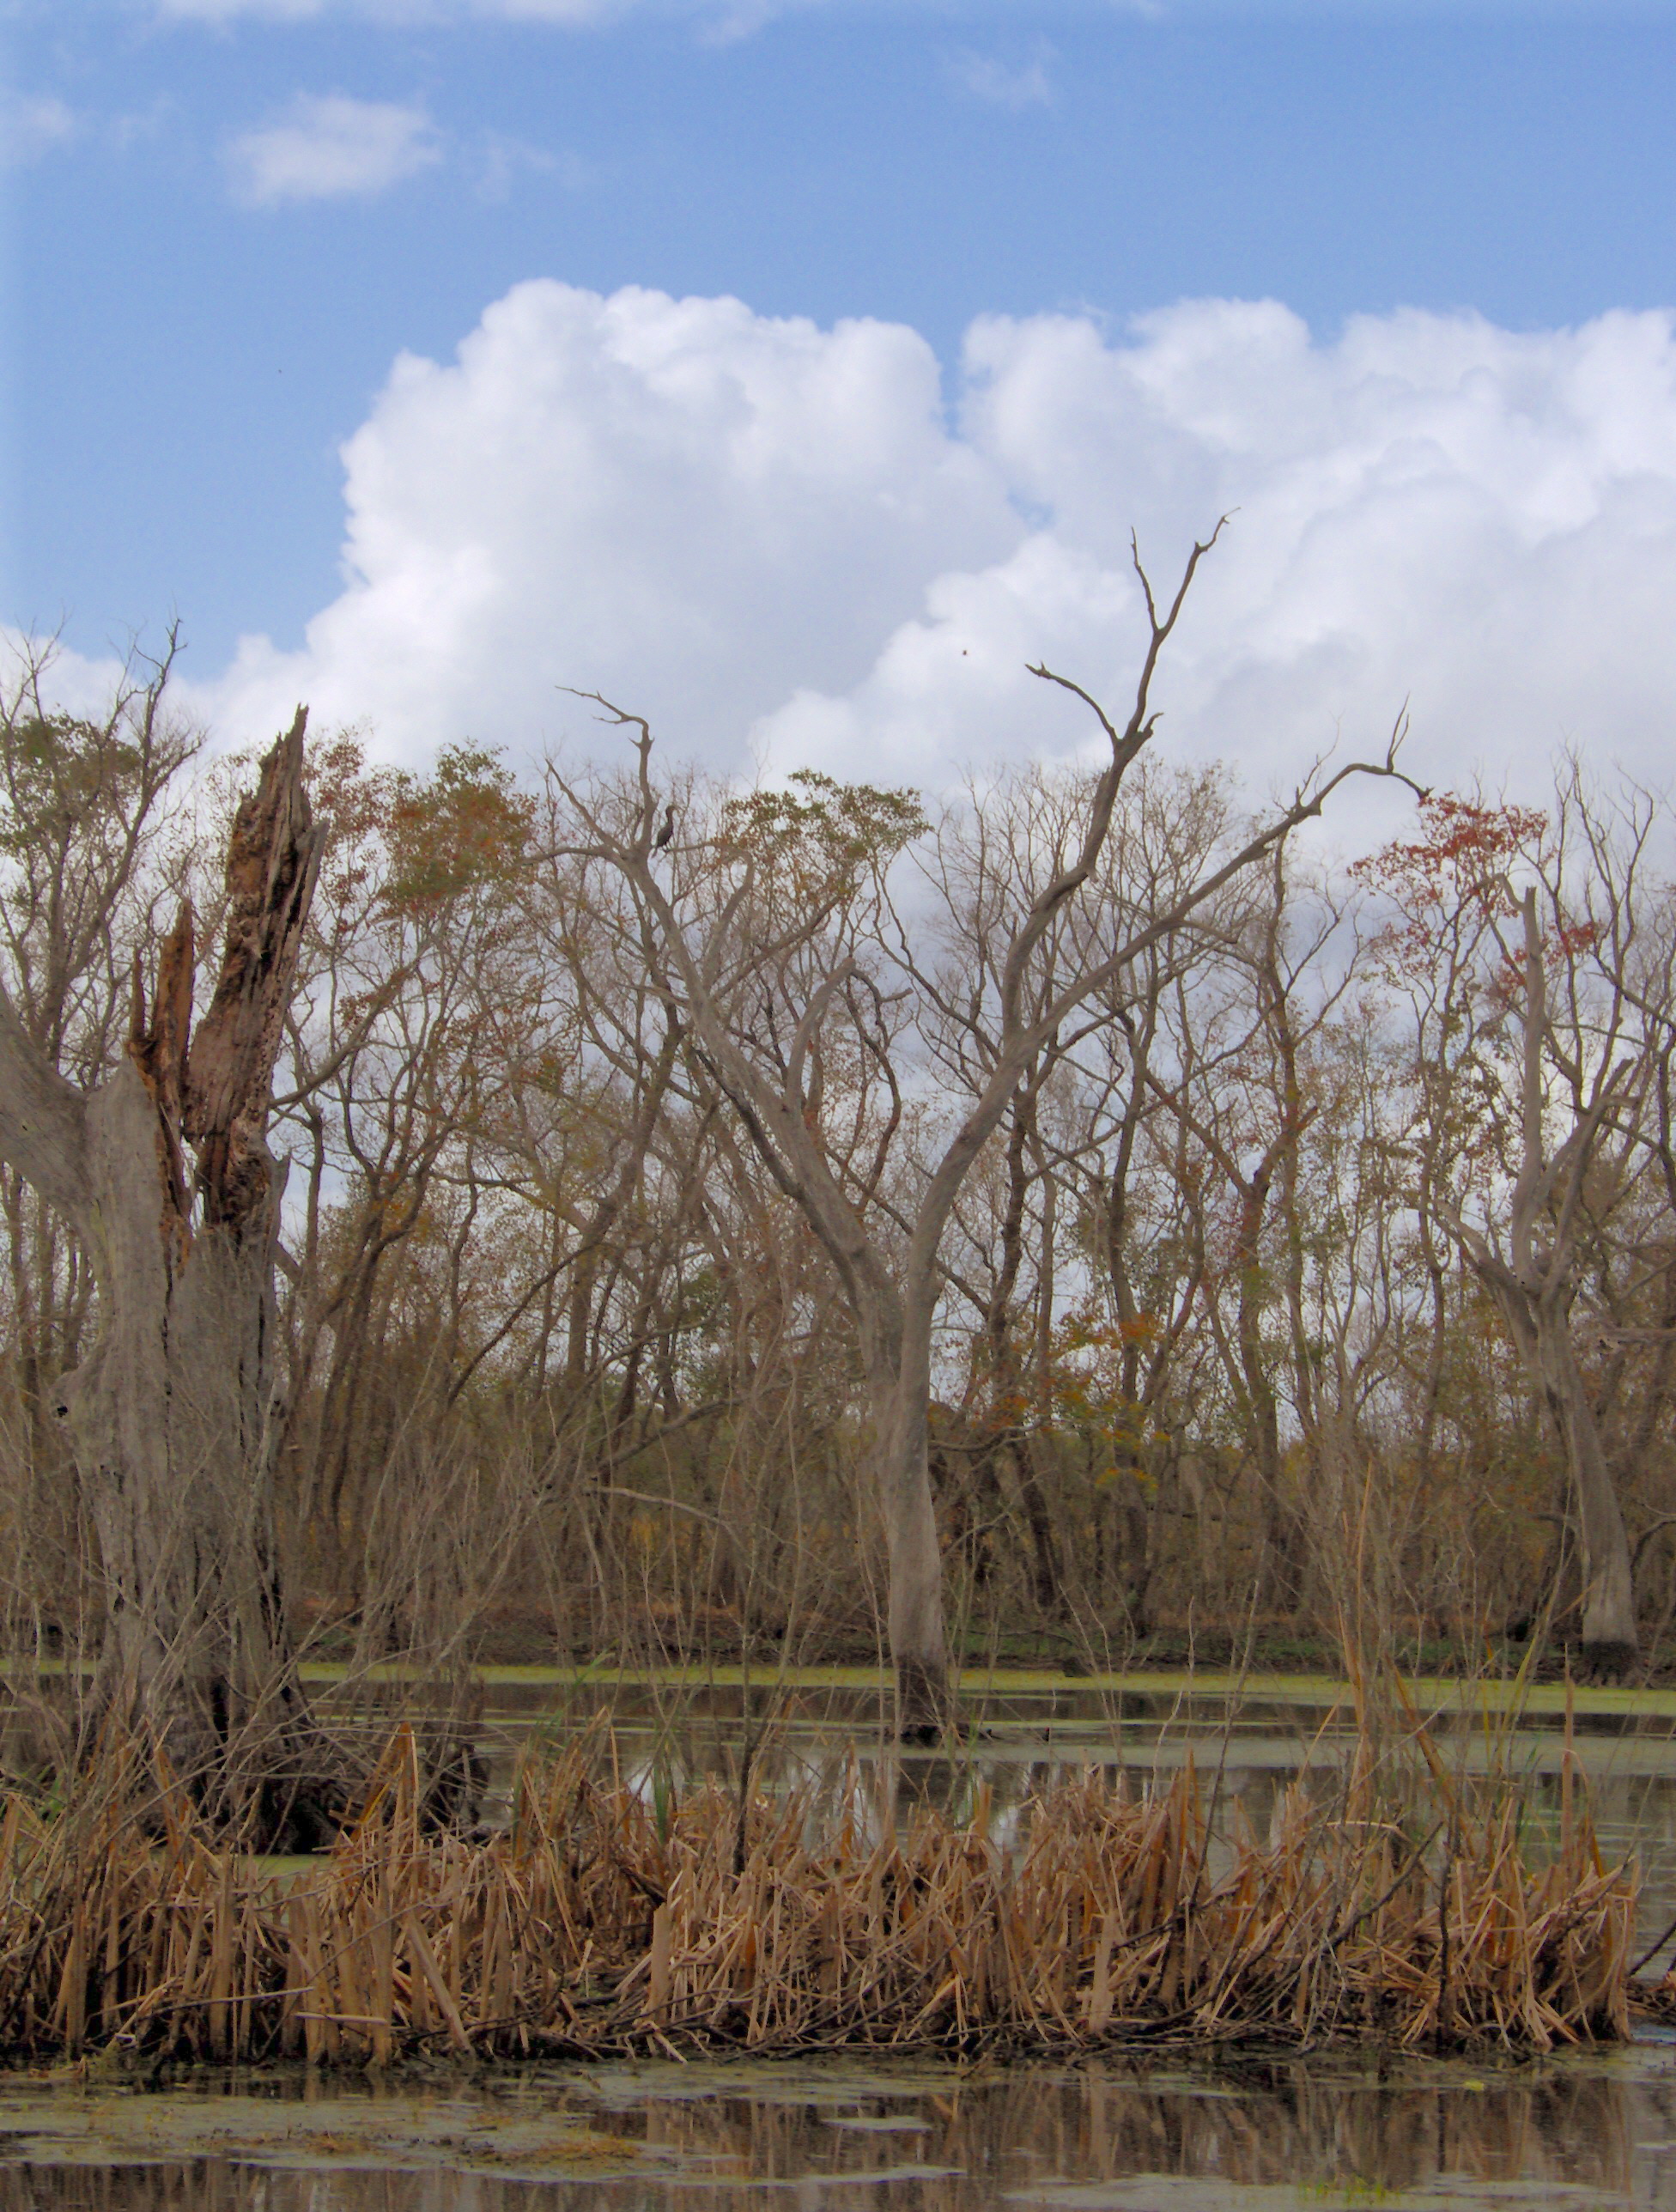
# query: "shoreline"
[1438,1693]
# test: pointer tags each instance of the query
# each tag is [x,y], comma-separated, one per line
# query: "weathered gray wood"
[166,1172]
[43,1120]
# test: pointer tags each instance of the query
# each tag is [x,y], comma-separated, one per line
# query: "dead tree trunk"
[172,1419]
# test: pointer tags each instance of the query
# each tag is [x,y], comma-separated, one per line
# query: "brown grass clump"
[599,1922]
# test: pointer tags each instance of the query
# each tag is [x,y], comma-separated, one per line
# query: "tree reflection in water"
[918,2139]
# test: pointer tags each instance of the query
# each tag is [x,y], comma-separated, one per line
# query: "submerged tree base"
[602,1922]
[1608,1659]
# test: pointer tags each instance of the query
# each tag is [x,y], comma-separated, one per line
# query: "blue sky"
[224,222]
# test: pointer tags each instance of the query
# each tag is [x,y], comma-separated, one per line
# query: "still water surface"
[846,2136]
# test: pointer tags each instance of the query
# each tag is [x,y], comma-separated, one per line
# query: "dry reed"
[599,1922]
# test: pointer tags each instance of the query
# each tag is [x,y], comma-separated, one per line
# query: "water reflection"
[1102,2138]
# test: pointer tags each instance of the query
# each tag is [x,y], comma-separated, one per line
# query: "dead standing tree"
[890,1266]
[171,1417]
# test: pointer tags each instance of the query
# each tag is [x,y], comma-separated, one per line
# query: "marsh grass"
[608,1919]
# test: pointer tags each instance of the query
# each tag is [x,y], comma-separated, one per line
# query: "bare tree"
[87,808]
[891,1261]
[1064,1172]
[1531,1274]
[1589,1039]
[171,1414]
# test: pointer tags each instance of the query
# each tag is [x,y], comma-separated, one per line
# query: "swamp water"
[1589,2130]
[849,2134]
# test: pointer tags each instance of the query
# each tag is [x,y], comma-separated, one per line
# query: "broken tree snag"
[165,1171]
[273,858]
[159,1051]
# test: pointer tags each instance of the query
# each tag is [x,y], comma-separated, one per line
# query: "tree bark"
[1540,1325]
[173,1418]
[913,1557]
[1609,1636]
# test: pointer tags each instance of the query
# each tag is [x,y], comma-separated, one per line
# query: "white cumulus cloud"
[791,542]
[678,503]
[327,146]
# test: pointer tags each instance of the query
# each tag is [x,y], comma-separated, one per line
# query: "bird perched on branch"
[668,830]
